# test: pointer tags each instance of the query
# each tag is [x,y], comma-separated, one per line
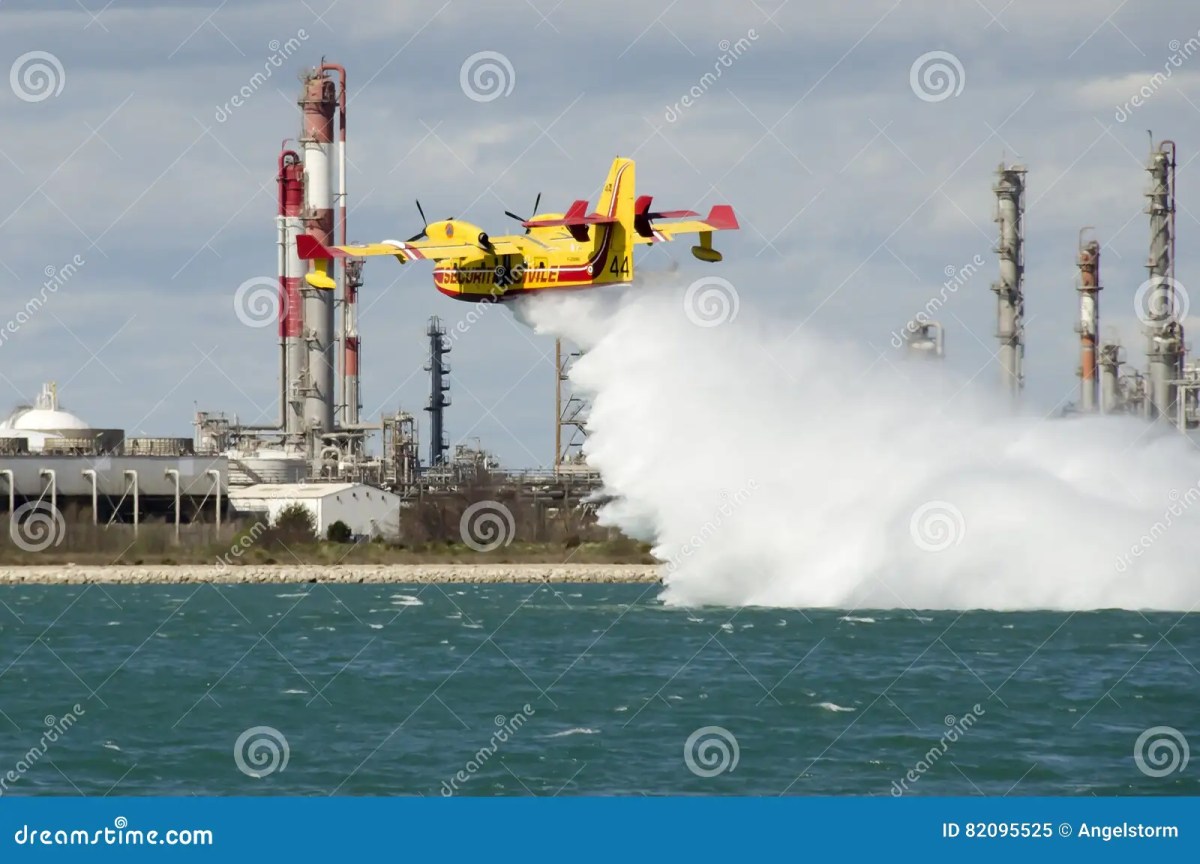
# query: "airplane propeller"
[424,226]
[513,215]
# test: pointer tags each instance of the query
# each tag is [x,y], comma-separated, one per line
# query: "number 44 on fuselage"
[559,251]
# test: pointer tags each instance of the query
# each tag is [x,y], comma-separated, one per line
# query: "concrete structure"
[1010,291]
[367,510]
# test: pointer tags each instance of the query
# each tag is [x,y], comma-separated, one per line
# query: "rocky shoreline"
[410,574]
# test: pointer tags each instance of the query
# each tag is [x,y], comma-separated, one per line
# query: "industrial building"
[368,511]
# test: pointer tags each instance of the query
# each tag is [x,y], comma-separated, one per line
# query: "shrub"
[293,526]
[339,532]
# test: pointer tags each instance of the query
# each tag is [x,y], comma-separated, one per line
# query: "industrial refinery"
[1163,387]
[323,454]
[320,453]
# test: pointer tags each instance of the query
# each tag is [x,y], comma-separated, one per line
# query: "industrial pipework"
[1089,321]
[1010,297]
[925,340]
[1164,343]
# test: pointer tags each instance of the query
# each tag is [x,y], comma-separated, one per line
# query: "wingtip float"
[558,251]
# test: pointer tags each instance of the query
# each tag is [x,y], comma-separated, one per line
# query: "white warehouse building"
[366,509]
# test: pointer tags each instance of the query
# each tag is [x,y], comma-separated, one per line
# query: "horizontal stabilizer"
[721,218]
[309,247]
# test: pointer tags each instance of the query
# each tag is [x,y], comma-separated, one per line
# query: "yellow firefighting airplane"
[557,251]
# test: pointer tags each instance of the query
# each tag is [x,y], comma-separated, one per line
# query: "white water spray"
[779,471]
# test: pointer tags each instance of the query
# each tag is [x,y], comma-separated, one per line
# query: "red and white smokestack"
[318,100]
[291,276]
[1089,321]
[350,398]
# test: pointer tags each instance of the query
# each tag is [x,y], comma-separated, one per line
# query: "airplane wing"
[309,248]
[720,218]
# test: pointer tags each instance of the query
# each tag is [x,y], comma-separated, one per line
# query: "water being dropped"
[778,468]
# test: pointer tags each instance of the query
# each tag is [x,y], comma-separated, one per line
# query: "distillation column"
[291,309]
[1010,309]
[438,369]
[1157,301]
[1110,378]
[317,102]
[1089,321]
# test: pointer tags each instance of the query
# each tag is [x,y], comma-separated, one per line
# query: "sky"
[860,182]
